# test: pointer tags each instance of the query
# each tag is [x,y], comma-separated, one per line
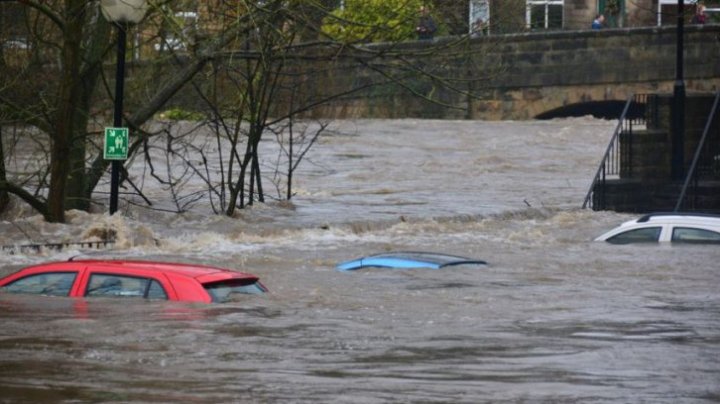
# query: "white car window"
[692,235]
[644,235]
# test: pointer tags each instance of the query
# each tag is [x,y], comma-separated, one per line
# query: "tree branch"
[45,10]
[26,196]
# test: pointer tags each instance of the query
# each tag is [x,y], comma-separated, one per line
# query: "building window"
[479,13]
[667,11]
[544,14]
[614,12]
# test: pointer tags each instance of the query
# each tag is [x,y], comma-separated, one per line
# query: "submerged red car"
[138,279]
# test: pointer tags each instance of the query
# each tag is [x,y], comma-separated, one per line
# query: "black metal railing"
[26,248]
[619,160]
[706,161]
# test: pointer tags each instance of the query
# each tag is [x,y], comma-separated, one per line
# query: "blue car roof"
[407,259]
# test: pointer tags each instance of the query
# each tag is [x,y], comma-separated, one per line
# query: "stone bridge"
[542,75]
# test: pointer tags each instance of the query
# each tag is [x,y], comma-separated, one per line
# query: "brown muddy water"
[554,317]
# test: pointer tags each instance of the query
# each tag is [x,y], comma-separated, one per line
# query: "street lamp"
[678,138]
[121,13]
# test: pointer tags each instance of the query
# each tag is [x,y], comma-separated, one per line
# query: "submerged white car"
[667,227]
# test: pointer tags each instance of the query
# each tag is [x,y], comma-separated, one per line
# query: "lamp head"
[123,11]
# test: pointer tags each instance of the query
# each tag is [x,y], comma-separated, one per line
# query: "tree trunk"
[67,110]
[99,35]
[290,162]
[237,193]
[256,163]
[76,179]
[58,176]
[4,197]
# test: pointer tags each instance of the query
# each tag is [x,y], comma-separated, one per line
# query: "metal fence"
[636,115]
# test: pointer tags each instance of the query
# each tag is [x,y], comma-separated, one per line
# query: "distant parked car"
[667,227]
[410,259]
[132,279]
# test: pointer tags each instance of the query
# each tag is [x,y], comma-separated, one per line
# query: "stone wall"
[519,76]
[515,76]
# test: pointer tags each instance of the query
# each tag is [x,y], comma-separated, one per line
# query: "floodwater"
[553,318]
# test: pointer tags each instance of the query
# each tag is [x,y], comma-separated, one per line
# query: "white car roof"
[696,220]
[680,218]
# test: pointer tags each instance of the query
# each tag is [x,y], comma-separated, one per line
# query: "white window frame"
[479,8]
[547,4]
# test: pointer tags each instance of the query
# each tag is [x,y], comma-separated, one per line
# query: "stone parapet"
[519,76]
[497,77]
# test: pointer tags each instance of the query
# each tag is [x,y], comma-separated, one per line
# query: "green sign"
[116,144]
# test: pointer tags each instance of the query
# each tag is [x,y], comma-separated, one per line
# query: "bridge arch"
[590,72]
[607,109]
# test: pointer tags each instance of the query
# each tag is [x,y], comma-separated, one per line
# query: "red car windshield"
[224,291]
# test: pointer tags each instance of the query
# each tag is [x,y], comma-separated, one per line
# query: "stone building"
[506,16]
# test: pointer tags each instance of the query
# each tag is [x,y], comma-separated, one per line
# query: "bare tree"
[70,41]
[256,66]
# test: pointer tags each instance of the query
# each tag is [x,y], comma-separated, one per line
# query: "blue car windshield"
[408,260]
[431,258]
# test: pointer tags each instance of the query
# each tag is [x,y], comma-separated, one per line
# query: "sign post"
[115,149]
[116,144]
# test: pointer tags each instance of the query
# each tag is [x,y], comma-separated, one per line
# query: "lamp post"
[121,13]
[677,168]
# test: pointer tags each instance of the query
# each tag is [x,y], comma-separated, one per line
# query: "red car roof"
[187,282]
[202,273]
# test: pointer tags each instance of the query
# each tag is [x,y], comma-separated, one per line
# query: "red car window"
[48,283]
[124,286]
[224,291]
